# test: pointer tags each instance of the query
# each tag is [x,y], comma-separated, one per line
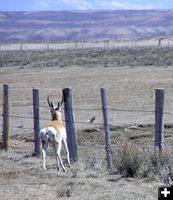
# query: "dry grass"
[157,165]
[131,161]
[127,87]
[127,159]
[135,56]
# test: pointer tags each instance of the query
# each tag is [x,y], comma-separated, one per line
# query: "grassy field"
[116,57]
[130,77]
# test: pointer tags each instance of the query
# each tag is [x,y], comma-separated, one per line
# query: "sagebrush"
[131,161]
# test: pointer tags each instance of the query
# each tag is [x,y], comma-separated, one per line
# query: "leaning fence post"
[36,122]
[70,126]
[159,120]
[107,129]
[6,111]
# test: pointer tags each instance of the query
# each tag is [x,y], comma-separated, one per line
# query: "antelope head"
[55,110]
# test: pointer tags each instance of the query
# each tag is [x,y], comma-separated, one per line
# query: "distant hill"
[84,25]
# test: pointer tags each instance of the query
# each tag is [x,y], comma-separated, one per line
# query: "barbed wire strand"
[22,105]
[117,110]
[102,129]
[77,122]
[99,109]
[22,128]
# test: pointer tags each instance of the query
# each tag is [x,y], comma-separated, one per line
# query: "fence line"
[75,98]
[158,132]
[12,87]
[87,109]
[93,109]
[103,44]
[24,128]
[21,105]
[92,124]
[76,122]
[167,113]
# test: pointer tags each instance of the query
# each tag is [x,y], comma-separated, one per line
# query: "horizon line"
[91,10]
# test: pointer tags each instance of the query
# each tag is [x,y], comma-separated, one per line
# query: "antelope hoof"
[64,170]
[58,169]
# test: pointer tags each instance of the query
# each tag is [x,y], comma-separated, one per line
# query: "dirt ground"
[130,99]
[22,176]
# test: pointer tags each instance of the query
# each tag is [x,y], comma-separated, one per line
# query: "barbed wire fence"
[81,44]
[25,125]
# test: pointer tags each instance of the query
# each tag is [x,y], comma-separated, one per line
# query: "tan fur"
[56,136]
[57,125]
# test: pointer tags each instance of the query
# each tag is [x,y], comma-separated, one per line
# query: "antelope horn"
[62,100]
[49,103]
[59,105]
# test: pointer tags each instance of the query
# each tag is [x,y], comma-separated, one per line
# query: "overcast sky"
[36,5]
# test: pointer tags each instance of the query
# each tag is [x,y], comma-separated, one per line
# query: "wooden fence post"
[107,129]
[6,111]
[160,41]
[159,120]
[36,122]
[70,126]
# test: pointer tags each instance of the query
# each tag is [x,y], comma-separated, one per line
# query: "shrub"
[127,159]
[156,164]
[130,161]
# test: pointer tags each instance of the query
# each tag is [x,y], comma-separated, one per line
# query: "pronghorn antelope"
[54,133]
